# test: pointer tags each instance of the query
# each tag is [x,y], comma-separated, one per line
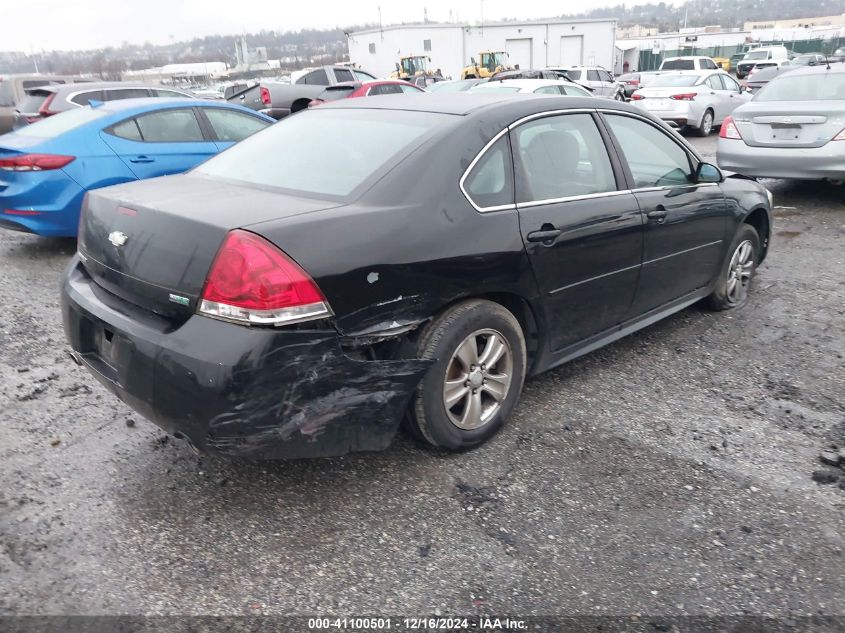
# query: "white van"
[763,54]
[688,63]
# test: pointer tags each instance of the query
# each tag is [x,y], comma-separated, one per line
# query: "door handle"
[659,213]
[141,159]
[547,233]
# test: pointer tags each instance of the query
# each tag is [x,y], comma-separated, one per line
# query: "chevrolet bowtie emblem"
[117,238]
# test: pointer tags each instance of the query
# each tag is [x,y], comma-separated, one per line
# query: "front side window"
[605,76]
[362,76]
[490,183]
[575,75]
[730,83]
[560,157]
[593,75]
[170,126]
[665,163]
[233,126]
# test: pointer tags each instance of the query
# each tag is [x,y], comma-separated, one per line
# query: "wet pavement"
[669,473]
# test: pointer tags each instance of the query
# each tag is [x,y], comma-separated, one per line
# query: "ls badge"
[117,238]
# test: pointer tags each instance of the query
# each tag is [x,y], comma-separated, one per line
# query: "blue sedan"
[46,168]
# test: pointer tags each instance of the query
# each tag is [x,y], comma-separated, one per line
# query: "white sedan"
[698,99]
[532,86]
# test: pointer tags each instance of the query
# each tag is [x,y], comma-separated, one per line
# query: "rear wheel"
[620,96]
[731,290]
[475,381]
[706,125]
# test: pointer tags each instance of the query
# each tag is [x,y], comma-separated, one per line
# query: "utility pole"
[482,18]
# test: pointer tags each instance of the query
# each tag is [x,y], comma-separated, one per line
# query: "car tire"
[482,395]
[737,273]
[706,125]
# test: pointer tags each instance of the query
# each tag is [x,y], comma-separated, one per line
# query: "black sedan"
[416,257]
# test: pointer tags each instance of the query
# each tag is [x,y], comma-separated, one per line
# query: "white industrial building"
[535,44]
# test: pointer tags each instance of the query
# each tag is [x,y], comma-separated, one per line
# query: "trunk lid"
[789,123]
[152,243]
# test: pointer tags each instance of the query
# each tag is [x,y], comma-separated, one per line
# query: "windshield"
[757,55]
[815,87]
[337,150]
[413,65]
[673,81]
[678,64]
[61,123]
[493,60]
[452,86]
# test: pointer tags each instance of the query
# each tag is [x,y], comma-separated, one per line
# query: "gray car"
[13,89]
[794,127]
[44,101]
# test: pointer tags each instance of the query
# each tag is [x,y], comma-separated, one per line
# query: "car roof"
[98,85]
[526,84]
[820,69]
[687,57]
[130,106]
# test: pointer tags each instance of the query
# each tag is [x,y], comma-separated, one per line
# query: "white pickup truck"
[691,62]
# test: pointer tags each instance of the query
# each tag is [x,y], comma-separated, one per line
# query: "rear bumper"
[233,390]
[47,203]
[778,162]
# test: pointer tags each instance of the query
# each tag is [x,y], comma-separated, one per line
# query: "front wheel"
[474,384]
[734,282]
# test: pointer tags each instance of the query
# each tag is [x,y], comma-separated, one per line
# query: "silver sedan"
[698,99]
[793,128]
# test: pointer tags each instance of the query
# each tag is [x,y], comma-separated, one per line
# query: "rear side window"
[411,90]
[127,93]
[168,126]
[84,98]
[560,157]
[128,130]
[317,77]
[336,150]
[341,74]
[233,126]
[490,183]
[665,164]
[547,90]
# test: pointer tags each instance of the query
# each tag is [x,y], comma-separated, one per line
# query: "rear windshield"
[333,94]
[32,102]
[61,123]
[757,55]
[673,81]
[679,64]
[816,87]
[336,151]
[451,86]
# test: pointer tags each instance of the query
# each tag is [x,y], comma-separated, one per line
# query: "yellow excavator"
[492,62]
[412,66]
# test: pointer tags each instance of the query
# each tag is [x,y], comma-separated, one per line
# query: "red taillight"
[44,110]
[686,96]
[840,136]
[251,281]
[636,97]
[729,130]
[34,162]
[21,212]
[633,82]
[265,95]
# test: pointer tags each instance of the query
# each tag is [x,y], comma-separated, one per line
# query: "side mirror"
[472,60]
[708,173]
[397,66]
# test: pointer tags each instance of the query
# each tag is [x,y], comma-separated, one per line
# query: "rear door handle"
[659,214]
[547,233]
[141,159]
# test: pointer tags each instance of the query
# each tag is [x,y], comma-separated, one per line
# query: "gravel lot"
[670,473]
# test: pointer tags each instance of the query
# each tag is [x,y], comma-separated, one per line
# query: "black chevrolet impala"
[393,258]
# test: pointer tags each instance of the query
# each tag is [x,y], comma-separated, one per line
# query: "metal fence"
[650,61]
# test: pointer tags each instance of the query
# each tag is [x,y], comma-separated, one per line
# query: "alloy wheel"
[707,124]
[478,379]
[740,271]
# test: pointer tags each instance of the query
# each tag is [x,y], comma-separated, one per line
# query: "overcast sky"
[86,24]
